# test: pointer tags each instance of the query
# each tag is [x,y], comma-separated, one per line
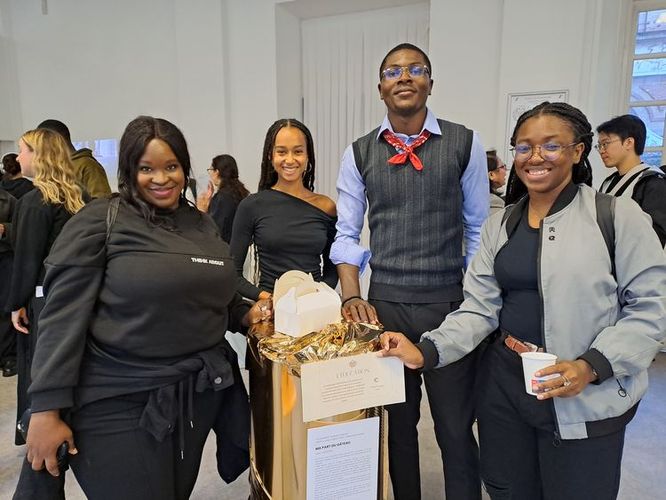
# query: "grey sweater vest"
[415,218]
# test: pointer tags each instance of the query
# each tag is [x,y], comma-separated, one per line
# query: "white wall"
[10,116]
[486,49]
[250,26]
[288,64]
[222,71]
[465,52]
[95,67]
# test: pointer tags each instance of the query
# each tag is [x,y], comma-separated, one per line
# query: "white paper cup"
[533,362]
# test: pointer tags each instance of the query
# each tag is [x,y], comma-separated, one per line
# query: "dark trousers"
[521,458]
[450,394]
[7,332]
[7,339]
[118,459]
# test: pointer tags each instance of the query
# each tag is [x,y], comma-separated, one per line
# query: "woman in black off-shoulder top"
[291,226]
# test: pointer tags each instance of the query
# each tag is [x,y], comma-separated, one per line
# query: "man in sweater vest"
[425,185]
[621,142]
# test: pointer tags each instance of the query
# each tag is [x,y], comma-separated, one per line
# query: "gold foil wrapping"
[334,341]
[278,451]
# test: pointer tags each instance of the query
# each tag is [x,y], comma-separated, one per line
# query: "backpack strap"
[630,181]
[605,219]
[512,214]
[111,215]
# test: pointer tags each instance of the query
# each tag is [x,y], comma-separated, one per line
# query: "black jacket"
[7,207]
[35,227]
[650,194]
[17,187]
[222,209]
[146,310]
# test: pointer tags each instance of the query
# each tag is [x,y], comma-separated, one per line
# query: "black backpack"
[639,188]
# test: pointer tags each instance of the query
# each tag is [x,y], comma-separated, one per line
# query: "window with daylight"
[647,98]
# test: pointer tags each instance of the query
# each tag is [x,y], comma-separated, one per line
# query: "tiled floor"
[643,474]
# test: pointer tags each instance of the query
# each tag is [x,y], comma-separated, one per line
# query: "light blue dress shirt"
[352,201]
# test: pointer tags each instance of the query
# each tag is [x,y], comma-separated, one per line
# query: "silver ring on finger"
[566,382]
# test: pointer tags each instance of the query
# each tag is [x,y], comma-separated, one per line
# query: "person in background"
[291,226]
[89,172]
[496,179]
[225,192]
[132,369]
[13,181]
[620,144]
[7,332]
[39,217]
[561,296]
[424,183]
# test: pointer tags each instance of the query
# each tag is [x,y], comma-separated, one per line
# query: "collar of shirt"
[430,125]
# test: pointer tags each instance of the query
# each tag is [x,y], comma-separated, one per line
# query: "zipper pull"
[621,391]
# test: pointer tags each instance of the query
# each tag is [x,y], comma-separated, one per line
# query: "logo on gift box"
[352,364]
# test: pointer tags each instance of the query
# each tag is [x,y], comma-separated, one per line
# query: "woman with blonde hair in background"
[40,215]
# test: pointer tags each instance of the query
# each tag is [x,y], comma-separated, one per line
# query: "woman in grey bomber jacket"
[543,279]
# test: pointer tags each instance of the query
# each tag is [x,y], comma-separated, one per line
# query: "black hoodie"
[150,296]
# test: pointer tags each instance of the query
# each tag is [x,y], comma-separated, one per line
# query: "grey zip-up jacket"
[616,326]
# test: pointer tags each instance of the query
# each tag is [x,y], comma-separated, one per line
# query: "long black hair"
[138,133]
[226,166]
[582,130]
[269,176]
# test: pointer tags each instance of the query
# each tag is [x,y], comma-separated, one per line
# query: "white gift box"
[301,305]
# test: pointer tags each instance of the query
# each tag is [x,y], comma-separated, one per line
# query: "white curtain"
[341,57]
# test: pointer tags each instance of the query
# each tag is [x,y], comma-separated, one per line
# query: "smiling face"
[290,157]
[540,175]
[160,177]
[406,95]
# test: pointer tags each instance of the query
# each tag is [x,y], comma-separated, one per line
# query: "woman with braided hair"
[544,279]
[291,226]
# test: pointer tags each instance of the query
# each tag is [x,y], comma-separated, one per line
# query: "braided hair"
[269,176]
[582,130]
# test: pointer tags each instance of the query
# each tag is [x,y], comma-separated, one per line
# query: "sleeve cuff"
[237,312]
[599,364]
[430,354]
[54,399]
[343,252]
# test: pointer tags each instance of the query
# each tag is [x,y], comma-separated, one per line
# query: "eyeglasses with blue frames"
[414,70]
[550,151]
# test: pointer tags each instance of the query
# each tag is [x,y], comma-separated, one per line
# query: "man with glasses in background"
[425,184]
[621,142]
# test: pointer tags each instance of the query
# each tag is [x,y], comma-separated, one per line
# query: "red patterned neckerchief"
[407,151]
